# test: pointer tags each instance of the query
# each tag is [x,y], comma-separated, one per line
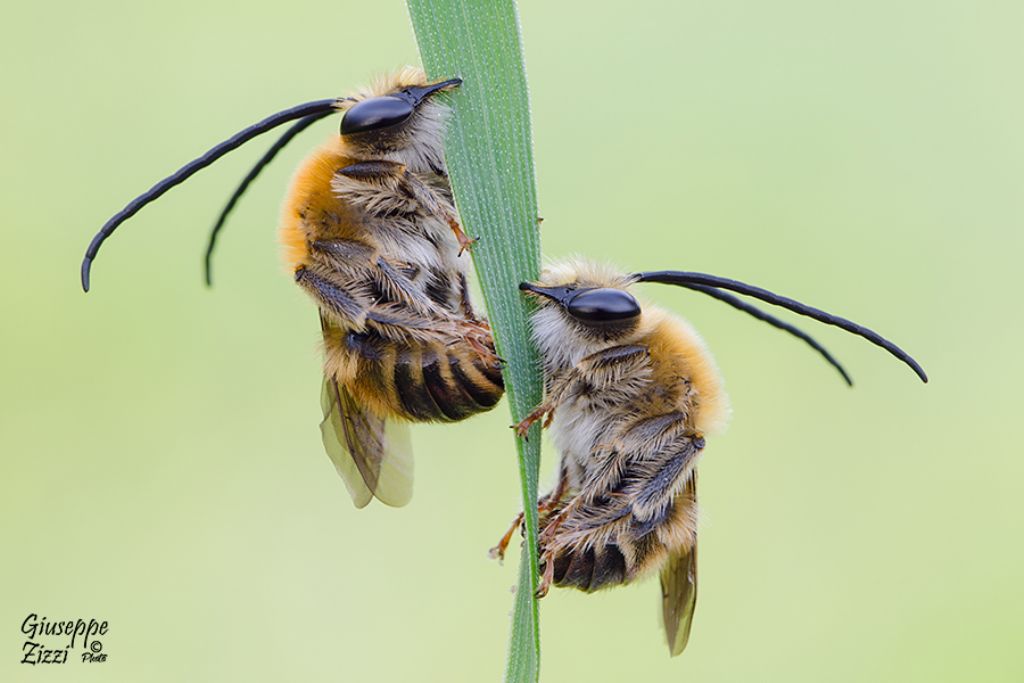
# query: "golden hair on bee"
[370,233]
[631,392]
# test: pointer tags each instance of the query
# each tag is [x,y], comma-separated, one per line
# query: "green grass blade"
[490,160]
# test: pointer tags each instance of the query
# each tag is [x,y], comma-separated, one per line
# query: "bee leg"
[376,170]
[382,171]
[547,576]
[551,501]
[548,534]
[429,199]
[400,289]
[464,303]
[498,551]
[545,505]
[664,482]
[331,297]
[523,428]
[343,254]
[465,241]
[559,388]
[483,347]
[357,264]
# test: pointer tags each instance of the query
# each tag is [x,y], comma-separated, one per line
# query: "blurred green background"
[161,465]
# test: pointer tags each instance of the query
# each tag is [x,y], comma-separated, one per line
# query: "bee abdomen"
[426,381]
[592,569]
[411,387]
[480,383]
[428,392]
[453,401]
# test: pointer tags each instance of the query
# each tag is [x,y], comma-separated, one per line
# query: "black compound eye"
[376,113]
[603,306]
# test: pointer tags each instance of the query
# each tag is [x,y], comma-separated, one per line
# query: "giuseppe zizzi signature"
[51,641]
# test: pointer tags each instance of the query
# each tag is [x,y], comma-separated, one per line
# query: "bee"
[631,394]
[370,233]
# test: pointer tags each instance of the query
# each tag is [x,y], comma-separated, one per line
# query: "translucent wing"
[372,455]
[679,590]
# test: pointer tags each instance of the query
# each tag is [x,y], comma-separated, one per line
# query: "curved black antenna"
[296,128]
[690,279]
[742,305]
[189,169]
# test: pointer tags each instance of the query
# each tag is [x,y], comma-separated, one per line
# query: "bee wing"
[679,590]
[372,455]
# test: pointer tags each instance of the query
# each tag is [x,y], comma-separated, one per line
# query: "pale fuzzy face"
[562,340]
[419,141]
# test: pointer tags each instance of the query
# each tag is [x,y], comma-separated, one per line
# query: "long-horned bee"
[631,393]
[370,233]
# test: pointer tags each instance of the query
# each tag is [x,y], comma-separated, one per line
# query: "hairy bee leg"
[381,170]
[607,474]
[545,505]
[464,303]
[551,501]
[655,488]
[478,326]
[331,298]
[484,351]
[498,551]
[404,303]
[361,262]
[547,576]
[346,310]
[344,254]
[523,428]
[549,530]
[465,241]
[391,279]
[377,169]
[663,483]
[429,198]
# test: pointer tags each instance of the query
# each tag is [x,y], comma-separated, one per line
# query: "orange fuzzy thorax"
[311,197]
[678,351]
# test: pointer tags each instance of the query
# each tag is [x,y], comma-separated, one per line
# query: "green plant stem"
[490,161]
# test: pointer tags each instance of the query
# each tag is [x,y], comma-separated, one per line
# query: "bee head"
[391,110]
[594,300]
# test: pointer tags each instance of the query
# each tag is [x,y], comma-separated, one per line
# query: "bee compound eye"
[603,306]
[375,114]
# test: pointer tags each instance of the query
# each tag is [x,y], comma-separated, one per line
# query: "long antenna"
[742,305]
[692,280]
[189,169]
[296,128]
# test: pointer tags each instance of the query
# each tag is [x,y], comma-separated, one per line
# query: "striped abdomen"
[610,564]
[629,547]
[591,569]
[425,381]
